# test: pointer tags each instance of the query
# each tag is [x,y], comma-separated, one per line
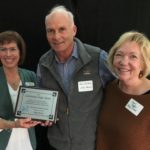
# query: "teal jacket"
[6,107]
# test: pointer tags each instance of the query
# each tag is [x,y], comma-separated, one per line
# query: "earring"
[141,74]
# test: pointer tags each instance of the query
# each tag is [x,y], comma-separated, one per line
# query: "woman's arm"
[5,124]
[19,123]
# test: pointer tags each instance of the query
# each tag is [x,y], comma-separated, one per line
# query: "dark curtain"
[99,22]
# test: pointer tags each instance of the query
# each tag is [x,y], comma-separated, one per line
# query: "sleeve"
[38,75]
[105,73]
[33,76]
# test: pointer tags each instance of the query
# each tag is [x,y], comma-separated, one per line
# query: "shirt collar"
[73,55]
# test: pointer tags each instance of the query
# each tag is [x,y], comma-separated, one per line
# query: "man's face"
[60,32]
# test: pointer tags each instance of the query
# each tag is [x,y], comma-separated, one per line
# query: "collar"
[73,55]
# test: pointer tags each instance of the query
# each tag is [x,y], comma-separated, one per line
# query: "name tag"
[84,86]
[134,107]
[29,84]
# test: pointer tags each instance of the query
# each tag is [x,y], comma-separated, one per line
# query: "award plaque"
[36,103]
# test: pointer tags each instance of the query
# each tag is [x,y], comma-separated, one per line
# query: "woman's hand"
[25,123]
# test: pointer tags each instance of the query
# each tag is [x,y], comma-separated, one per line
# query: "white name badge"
[134,107]
[29,84]
[84,86]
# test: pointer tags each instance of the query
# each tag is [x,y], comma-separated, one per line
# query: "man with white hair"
[78,72]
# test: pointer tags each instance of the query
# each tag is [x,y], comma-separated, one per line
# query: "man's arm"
[104,71]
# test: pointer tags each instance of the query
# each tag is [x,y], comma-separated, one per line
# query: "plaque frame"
[37,103]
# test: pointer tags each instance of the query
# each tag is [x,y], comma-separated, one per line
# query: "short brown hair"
[13,36]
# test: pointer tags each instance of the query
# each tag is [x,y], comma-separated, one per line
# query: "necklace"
[12,77]
[14,83]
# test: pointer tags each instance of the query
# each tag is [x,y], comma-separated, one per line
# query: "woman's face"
[128,61]
[9,55]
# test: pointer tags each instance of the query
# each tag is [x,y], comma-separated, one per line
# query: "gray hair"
[61,9]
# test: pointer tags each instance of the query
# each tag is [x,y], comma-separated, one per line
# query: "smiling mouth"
[9,60]
[123,70]
[58,43]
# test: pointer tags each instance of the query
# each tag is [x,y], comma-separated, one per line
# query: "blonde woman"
[124,121]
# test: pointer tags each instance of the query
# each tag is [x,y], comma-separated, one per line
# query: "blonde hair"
[144,45]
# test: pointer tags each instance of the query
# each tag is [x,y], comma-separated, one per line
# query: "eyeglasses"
[11,49]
